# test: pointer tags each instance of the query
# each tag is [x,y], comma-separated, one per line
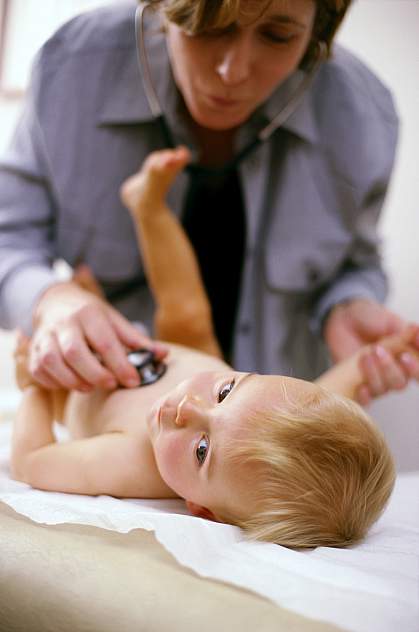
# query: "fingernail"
[160,348]
[132,383]
[382,353]
[406,358]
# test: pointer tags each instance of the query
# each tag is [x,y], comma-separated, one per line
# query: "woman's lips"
[220,102]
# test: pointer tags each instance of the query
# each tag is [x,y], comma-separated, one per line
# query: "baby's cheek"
[171,461]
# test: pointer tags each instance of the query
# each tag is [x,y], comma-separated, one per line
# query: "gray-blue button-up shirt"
[313,192]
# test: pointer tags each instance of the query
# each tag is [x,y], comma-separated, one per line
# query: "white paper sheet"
[372,587]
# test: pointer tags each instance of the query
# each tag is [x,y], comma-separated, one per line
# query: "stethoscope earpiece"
[321,51]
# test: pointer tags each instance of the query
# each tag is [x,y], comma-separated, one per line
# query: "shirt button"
[313,276]
[254,161]
[244,328]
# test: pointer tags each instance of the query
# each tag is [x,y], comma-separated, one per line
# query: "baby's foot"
[147,189]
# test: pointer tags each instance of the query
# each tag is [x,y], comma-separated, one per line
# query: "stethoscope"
[263,135]
[148,367]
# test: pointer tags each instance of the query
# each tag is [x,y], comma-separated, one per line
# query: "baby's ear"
[200,512]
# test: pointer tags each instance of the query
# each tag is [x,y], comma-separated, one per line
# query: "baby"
[289,461]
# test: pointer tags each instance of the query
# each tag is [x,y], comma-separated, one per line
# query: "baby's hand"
[393,361]
[145,191]
[21,353]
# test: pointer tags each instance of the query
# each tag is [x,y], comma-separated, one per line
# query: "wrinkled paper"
[371,587]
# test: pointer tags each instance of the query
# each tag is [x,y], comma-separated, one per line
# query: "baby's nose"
[188,409]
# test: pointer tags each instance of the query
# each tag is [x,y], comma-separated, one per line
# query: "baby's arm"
[346,377]
[183,313]
[113,463]
[57,398]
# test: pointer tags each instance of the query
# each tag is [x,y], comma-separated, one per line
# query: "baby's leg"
[183,311]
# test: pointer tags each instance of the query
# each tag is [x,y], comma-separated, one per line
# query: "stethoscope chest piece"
[149,368]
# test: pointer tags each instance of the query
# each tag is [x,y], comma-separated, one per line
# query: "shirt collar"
[302,121]
[125,102]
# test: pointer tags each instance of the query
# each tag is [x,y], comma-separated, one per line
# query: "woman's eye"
[201,450]
[277,38]
[225,391]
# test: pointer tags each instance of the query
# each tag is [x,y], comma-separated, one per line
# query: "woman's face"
[225,75]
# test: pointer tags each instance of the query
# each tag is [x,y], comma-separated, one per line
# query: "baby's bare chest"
[123,410]
[126,410]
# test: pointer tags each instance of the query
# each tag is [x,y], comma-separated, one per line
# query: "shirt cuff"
[368,284]
[21,293]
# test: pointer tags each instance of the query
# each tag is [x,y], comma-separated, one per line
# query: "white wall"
[30,23]
[384,33]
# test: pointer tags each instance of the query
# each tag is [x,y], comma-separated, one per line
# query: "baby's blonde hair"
[323,471]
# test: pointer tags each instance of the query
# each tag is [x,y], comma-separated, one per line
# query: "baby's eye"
[226,389]
[201,450]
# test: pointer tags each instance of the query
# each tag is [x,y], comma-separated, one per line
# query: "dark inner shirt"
[214,220]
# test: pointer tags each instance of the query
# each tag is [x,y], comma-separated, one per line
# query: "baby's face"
[190,427]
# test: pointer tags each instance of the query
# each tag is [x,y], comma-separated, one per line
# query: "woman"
[286,241]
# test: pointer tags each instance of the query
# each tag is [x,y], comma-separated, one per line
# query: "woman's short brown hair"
[200,15]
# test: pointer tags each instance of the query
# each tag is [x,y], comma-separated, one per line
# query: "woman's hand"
[80,341]
[361,322]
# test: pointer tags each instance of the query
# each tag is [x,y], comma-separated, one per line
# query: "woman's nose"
[190,409]
[234,64]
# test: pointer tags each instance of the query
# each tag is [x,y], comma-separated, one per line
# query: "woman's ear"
[200,512]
